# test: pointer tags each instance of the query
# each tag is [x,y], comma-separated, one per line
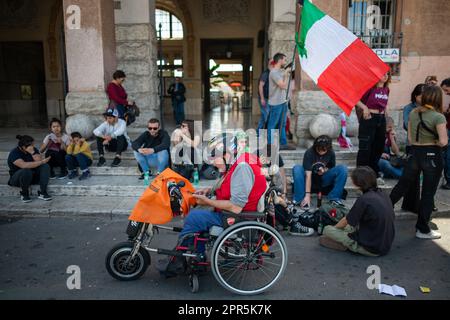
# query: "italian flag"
[335,59]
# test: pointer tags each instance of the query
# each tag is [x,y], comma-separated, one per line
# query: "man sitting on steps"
[111,134]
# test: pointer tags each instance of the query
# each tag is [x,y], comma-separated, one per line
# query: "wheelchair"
[247,257]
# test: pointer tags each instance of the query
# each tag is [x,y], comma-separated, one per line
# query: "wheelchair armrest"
[245,214]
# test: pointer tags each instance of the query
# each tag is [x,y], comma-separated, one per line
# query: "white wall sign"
[390,55]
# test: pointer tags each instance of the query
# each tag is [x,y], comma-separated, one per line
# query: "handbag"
[131,112]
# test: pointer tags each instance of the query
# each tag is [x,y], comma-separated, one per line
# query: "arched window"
[172,28]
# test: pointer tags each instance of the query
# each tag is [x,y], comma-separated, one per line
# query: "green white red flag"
[335,59]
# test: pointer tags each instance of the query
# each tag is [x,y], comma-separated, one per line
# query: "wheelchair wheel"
[248,258]
[117,266]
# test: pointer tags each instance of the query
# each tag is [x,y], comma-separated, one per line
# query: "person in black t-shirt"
[368,228]
[27,167]
[319,171]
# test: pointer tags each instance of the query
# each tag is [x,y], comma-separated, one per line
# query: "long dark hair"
[417,92]
[24,141]
[364,178]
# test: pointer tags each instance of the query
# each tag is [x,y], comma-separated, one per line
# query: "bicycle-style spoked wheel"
[248,258]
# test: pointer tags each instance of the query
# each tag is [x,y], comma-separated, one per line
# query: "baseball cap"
[111,113]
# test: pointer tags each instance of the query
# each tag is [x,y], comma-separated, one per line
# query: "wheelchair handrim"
[216,258]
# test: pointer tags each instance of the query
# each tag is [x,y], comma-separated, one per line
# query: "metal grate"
[373,21]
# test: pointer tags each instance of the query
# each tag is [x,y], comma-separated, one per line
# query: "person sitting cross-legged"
[151,148]
[319,171]
[368,228]
[112,135]
[78,155]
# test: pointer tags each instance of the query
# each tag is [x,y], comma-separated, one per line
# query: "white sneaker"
[380,182]
[431,235]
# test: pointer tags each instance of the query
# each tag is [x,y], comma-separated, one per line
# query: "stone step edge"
[34,212]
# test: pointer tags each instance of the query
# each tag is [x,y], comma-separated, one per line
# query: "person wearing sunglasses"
[151,148]
[27,167]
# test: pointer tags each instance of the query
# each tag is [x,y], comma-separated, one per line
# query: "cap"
[111,113]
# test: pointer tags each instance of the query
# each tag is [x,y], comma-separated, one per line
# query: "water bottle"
[196,178]
[146,178]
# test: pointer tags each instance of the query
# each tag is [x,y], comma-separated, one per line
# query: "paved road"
[35,253]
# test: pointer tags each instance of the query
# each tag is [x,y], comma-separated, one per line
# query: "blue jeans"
[178,111]
[336,177]
[447,163]
[264,115]
[277,118]
[80,160]
[388,170]
[159,160]
[199,220]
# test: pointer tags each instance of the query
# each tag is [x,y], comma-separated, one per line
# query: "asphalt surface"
[36,252]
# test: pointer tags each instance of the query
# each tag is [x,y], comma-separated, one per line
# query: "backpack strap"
[424,126]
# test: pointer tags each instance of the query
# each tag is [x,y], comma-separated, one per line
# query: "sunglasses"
[153,128]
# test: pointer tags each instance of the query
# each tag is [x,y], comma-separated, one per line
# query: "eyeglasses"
[153,128]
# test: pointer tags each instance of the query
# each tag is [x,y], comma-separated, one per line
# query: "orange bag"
[154,204]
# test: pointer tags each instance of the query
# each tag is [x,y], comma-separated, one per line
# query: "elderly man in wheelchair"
[234,199]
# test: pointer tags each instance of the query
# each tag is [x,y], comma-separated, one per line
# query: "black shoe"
[116,162]
[446,186]
[73,174]
[141,177]
[85,175]
[101,161]
[44,196]
[297,229]
[52,174]
[25,196]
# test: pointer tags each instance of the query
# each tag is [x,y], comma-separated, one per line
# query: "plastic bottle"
[146,178]
[196,178]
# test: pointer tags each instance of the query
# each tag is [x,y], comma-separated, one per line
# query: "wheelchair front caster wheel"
[193,283]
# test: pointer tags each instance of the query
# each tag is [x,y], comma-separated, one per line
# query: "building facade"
[59,55]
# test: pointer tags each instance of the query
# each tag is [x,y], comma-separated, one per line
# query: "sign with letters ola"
[390,55]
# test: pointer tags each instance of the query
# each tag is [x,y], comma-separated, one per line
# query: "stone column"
[90,54]
[137,55]
[282,27]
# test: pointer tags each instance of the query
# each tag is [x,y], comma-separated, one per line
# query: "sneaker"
[380,182]
[446,186]
[116,162]
[63,174]
[44,196]
[25,196]
[73,174]
[85,175]
[430,235]
[331,244]
[52,174]
[142,177]
[101,161]
[297,229]
[337,203]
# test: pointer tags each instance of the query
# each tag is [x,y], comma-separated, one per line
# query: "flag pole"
[297,30]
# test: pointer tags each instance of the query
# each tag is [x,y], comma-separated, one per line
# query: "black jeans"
[372,137]
[427,160]
[117,145]
[57,160]
[24,178]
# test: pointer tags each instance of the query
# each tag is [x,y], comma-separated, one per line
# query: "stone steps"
[123,186]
